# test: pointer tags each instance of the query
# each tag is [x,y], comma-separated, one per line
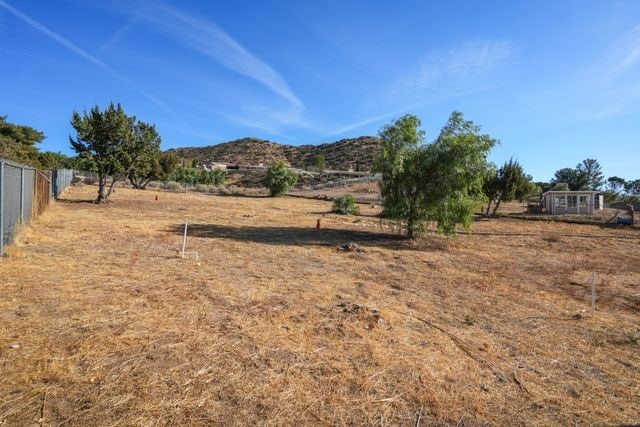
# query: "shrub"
[280,179]
[345,205]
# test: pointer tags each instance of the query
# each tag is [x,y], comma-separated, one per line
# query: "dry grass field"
[102,323]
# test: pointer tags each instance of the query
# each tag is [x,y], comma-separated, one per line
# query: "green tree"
[185,175]
[19,142]
[614,188]
[48,160]
[616,184]
[345,205]
[81,163]
[280,179]
[213,177]
[632,188]
[591,169]
[560,186]
[114,141]
[152,166]
[318,161]
[440,182]
[574,178]
[544,186]
[506,184]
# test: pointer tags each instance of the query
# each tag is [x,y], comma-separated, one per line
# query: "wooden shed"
[572,202]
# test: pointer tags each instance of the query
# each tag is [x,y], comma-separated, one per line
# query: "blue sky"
[555,81]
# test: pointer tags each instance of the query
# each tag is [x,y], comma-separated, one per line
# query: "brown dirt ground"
[101,323]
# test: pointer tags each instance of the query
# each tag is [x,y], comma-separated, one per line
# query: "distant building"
[572,202]
[217,166]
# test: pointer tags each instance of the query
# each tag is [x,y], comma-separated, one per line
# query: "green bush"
[194,176]
[345,205]
[280,179]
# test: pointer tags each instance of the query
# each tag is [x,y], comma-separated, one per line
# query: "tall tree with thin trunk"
[592,170]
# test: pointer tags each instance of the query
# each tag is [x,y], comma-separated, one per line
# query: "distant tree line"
[587,175]
[19,143]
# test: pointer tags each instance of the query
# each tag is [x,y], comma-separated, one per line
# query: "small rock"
[351,247]
[14,346]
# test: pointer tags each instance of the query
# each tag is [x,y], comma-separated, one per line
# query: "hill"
[358,153]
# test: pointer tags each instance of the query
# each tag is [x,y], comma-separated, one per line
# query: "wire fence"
[25,193]
[61,179]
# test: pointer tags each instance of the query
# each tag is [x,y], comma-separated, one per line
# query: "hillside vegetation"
[358,153]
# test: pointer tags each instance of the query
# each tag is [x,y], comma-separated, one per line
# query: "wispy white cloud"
[86,56]
[118,34]
[463,69]
[207,38]
[361,123]
[625,53]
[612,82]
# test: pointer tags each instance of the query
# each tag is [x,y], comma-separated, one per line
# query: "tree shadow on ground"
[298,236]
[248,196]
[63,200]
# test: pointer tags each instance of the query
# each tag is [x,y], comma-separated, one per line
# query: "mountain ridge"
[349,153]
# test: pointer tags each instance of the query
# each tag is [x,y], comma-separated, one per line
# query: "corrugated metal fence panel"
[11,181]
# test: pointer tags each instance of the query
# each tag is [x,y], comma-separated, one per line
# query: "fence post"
[22,195]
[1,208]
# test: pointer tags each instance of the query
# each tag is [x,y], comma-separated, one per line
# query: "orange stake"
[318,224]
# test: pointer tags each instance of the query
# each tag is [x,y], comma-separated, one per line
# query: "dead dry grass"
[101,323]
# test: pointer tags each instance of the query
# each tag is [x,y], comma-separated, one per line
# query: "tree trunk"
[495,208]
[410,227]
[134,182]
[488,208]
[114,181]
[139,183]
[102,182]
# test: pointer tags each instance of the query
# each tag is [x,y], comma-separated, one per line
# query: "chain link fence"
[25,192]
[61,179]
